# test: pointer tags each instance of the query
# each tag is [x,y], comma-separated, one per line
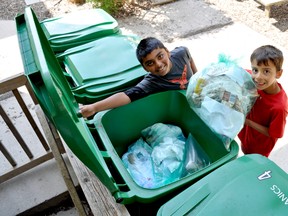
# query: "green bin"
[102,67]
[78,27]
[119,128]
[250,185]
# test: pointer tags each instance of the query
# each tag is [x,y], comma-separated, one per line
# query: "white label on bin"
[265,175]
[280,194]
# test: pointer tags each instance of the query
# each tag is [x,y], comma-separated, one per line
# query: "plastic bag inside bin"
[163,155]
[222,94]
[195,158]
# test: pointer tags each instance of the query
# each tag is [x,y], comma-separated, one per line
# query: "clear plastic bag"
[168,160]
[195,156]
[157,158]
[222,94]
[156,133]
[138,162]
[168,157]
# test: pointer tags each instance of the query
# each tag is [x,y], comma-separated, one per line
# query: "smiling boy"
[166,71]
[267,119]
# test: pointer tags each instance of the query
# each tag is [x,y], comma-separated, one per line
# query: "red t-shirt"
[270,111]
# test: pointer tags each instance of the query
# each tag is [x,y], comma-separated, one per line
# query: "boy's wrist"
[94,108]
[247,122]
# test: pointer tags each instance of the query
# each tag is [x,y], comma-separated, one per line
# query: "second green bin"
[102,67]
[77,28]
[251,185]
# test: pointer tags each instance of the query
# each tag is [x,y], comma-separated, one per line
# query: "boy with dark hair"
[167,71]
[267,119]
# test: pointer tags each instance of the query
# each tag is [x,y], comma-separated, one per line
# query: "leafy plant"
[110,6]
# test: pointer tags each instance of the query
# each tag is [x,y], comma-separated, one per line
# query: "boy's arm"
[116,100]
[193,66]
[260,128]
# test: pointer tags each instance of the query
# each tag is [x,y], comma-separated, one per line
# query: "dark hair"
[146,46]
[268,52]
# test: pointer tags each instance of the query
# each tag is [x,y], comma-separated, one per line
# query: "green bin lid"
[52,90]
[104,65]
[78,27]
[250,185]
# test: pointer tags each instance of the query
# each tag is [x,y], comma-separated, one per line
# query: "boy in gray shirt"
[166,71]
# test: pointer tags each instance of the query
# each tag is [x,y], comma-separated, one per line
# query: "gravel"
[252,14]
[43,9]
[248,12]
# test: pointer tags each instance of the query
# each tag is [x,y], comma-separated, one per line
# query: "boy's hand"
[87,110]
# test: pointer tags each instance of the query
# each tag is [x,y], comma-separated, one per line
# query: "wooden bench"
[269,3]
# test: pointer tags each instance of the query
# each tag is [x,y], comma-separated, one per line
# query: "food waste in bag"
[222,95]
[163,155]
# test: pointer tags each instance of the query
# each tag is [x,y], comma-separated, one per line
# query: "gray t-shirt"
[177,78]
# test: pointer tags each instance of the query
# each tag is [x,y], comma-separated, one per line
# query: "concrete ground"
[236,40]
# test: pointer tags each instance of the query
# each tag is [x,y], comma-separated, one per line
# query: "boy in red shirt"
[266,121]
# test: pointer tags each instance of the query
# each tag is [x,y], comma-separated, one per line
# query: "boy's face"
[265,77]
[158,62]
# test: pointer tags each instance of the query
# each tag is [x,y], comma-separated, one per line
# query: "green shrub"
[110,6]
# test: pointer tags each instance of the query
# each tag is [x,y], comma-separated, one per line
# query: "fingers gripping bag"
[222,95]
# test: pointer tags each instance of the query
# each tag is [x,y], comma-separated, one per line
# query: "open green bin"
[250,185]
[78,27]
[119,128]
